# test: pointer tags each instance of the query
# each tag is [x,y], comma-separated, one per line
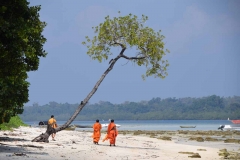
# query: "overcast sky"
[203,38]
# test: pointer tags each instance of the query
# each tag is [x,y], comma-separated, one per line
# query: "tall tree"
[21,46]
[124,32]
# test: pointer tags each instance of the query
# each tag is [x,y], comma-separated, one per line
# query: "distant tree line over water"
[205,108]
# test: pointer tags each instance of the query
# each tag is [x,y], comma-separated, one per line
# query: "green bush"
[14,122]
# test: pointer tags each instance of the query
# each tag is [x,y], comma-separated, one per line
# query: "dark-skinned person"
[53,123]
[96,132]
[112,132]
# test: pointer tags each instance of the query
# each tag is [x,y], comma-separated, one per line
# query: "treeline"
[205,108]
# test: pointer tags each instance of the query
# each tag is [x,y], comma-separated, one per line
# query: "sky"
[203,38]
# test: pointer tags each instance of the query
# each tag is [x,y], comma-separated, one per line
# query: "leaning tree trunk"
[44,136]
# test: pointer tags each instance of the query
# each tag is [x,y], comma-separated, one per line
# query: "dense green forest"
[205,108]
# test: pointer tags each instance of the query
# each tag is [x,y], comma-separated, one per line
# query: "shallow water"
[171,125]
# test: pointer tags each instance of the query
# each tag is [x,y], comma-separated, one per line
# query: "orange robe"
[105,138]
[112,133]
[52,122]
[96,132]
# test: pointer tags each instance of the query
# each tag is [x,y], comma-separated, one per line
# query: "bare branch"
[131,58]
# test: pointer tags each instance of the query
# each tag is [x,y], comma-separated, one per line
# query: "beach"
[130,145]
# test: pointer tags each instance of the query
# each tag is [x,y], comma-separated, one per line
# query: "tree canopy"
[128,32]
[21,46]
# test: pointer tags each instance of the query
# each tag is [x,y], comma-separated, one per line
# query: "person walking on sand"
[112,132]
[53,123]
[96,132]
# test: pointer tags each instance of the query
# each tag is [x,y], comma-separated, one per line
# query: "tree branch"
[131,58]
[120,44]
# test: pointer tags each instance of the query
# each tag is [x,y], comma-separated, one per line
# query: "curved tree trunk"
[44,137]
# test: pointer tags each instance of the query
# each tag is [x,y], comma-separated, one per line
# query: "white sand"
[77,145]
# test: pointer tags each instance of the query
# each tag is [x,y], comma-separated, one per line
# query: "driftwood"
[19,154]
[44,137]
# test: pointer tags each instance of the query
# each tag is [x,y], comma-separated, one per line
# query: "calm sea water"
[167,125]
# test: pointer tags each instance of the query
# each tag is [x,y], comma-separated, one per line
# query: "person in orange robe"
[112,133]
[96,132]
[53,123]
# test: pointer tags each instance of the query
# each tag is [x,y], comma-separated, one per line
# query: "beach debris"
[198,139]
[224,153]
[234,155]
[152,134]
[138,132]
[19,154]
[195,155]
[154,156]
[182,132]
[186,152]
[231,141]
[223,150]
[201,150]
[70,128]
[211,139]
[228,154]
[165,138]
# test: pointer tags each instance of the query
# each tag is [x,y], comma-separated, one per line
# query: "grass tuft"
[14,122]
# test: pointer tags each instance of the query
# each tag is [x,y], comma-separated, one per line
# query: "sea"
[151,125]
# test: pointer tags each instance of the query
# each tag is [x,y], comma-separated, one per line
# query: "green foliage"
[21,46]
[14,122]
[128,32]
[205,108]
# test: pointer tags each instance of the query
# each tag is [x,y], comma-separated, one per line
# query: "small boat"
[230,127]
[235,121]
[188,126]
[82,126]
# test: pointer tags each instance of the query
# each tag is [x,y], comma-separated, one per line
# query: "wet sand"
[130,145]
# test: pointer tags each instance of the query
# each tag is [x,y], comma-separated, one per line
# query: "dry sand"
[134,145]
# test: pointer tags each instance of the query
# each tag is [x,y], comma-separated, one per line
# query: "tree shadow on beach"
[10,147]
[8,139]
